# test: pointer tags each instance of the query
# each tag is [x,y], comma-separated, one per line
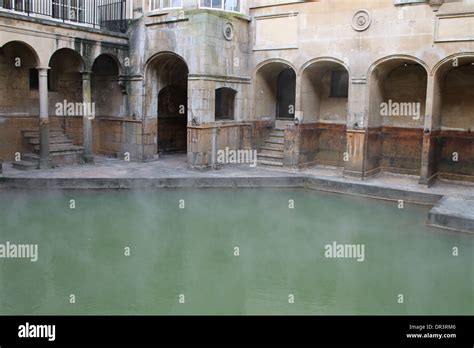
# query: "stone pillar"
[87,119]
[429,168]
[357,129]
[298,100]
[43,118]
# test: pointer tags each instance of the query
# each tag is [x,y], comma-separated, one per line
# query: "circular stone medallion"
[361,20]
[228,31]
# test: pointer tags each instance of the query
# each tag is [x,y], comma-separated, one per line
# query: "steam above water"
[183,242]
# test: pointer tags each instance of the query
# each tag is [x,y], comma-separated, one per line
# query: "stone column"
[298,100]
[44,118]
[429,168]
[357,129]
[87,119]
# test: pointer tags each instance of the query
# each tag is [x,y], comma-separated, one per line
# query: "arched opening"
[107,94]
[19,82]
[275,91]
[324,100]
[397,100]
[19,96]
[454,117]
[225,103]
[166,100]
[65,97]
[65,80]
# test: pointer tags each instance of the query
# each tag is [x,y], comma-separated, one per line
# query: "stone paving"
[174,166]
[453,202]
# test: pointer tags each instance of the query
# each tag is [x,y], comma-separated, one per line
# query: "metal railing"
[104,14]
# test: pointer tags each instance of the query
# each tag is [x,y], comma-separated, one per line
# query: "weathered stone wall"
[195,37]
[411,53]
[16,97]
[397,57]
[67,51]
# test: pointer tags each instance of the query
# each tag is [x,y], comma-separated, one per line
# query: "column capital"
[86,74]
[43,71]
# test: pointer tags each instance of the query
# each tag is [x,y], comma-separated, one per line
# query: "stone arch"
[108,91]
[272,101]
[324,104]
[324,96]
[397,91]
[65,78]
[453,116]
[23,49]
[18,63]
[166,98]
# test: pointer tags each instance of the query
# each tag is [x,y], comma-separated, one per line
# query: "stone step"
[25,165]
[271,154]
[61,148]
[273,147]
[270,163]
[275,140]
[67,157]
[54,140]
[30,157]
[58,157]
[34,133]
[279,132]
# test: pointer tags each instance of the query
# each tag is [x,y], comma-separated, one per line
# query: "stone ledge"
[453,213]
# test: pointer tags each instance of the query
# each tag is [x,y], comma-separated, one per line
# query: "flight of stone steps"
[271,154]
[62,150]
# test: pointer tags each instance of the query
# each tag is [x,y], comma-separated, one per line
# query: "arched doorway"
[275,89]
[166,99]
[286,92]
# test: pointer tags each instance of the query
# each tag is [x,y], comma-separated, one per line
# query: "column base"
[44,164]
[428,181]
[44,144]
[89,159]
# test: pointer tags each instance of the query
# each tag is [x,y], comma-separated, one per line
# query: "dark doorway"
[172,118]
[286,94]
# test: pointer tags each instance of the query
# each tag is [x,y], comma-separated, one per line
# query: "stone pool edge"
[334,185]
[291,181]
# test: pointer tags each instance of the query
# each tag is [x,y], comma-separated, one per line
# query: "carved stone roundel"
[228,31]
[361,20]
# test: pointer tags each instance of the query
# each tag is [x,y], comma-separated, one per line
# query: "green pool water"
[191,251]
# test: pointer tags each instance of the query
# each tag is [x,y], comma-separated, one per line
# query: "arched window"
[225,103]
